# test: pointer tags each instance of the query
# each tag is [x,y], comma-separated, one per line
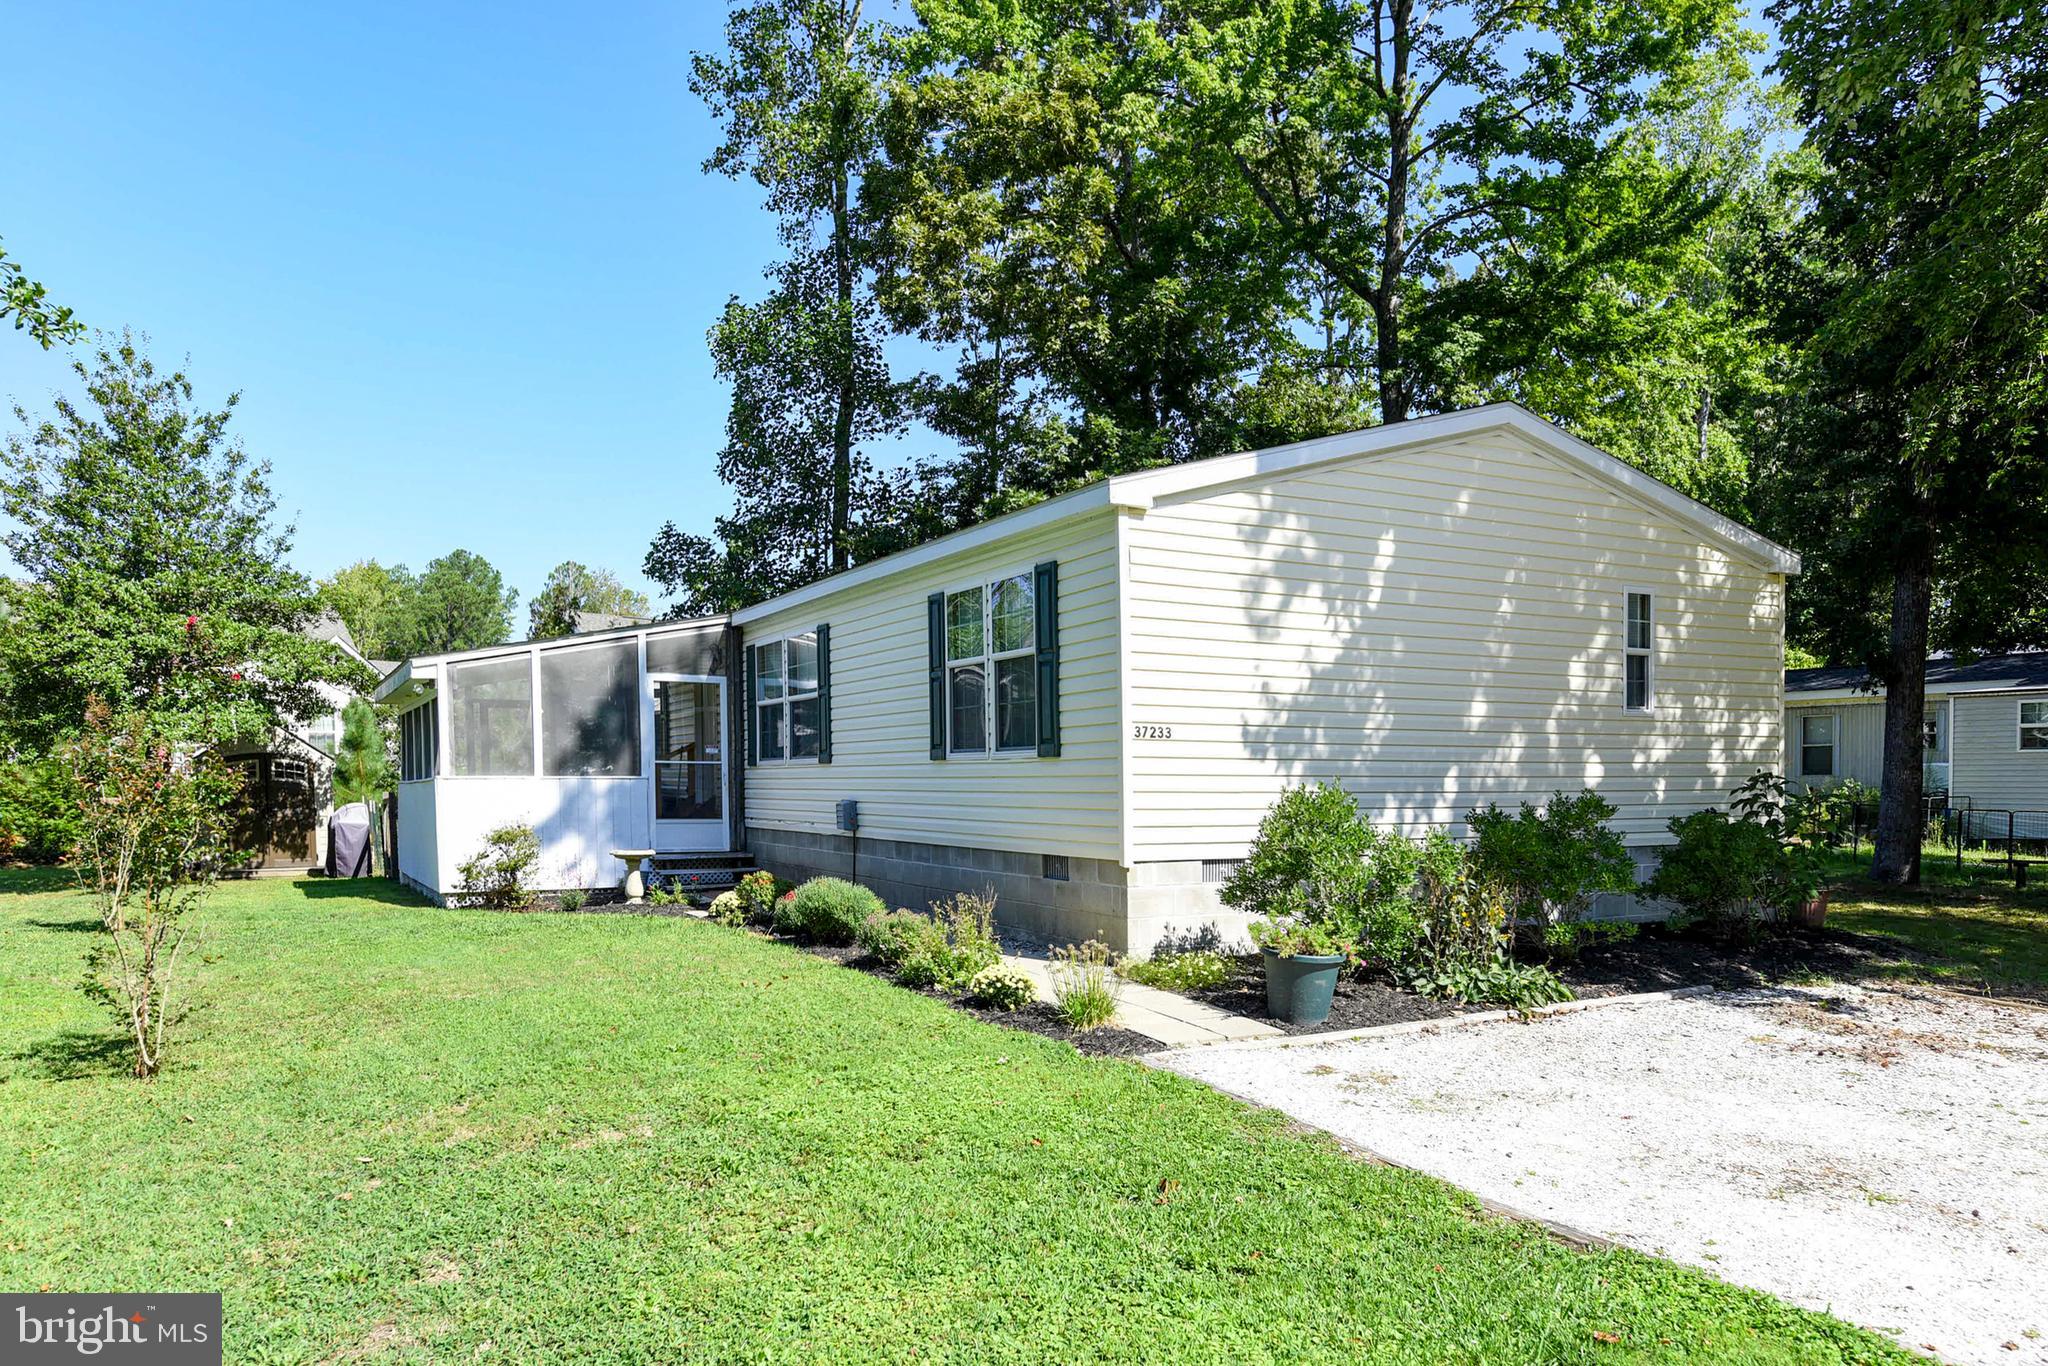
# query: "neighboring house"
[1986,728]
[1087,705]
[288,778]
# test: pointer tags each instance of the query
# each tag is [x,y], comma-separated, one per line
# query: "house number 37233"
[1145,732]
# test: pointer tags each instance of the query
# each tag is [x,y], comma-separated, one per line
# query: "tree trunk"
[1396,394]
[842,417]
[1901,816]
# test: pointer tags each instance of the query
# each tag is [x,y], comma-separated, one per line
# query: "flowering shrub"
[153,838]
[1000,987]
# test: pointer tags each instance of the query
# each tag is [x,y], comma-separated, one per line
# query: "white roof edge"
[1143,488]
[1058,509]
[1149,485]
[426,668]
[408,672]
[1876,694]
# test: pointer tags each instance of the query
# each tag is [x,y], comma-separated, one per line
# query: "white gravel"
[1878,1153]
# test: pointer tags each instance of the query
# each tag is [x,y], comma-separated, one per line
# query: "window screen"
[590,711]
[1637,651]
[2034,725]
[693,652]
[1817,746]
[991,667]
[418,732]
[491,705]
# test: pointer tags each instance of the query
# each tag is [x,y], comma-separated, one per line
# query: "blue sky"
[459,265]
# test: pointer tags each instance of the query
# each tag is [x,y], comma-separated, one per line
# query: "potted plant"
[1805,884]
[1302,962]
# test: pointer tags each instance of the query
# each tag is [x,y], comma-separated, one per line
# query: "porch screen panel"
[697,652]
[590,711]
[491,725]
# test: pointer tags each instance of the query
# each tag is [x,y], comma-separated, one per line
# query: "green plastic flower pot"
[1299,990]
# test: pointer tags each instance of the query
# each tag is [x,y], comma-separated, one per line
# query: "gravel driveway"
[1878,1153]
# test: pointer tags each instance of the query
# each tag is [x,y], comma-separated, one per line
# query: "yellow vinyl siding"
[880,728]
[1433,628]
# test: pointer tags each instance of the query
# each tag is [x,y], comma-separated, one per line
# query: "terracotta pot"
[1813,914]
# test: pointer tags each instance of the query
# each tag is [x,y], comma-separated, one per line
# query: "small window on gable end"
[1638,653]
[2034,725]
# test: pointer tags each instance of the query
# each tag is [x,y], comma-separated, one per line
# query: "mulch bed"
[1655,960]
[1036,1018]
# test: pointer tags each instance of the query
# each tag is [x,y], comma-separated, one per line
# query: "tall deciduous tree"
[1465,172]
[796,95]
[147,540]
[571,590]
[1915,455]
[374,602]
[1109,303]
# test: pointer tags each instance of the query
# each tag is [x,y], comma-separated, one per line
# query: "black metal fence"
[2014,838]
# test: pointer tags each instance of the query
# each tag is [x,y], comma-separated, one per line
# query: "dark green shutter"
[935,621]
[1045,593]
[748,724]
[824,694]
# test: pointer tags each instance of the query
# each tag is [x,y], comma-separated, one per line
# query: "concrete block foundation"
[1131,910]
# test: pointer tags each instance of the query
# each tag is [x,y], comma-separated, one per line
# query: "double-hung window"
[786,706]
[991,670]
[1817,745]
[1638,649]
[2034,725]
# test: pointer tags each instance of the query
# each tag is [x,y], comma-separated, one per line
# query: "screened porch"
[614,740]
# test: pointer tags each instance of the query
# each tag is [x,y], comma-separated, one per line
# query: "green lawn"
[1987,933]
[401,1132]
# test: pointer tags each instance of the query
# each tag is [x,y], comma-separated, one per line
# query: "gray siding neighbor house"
[1987,729]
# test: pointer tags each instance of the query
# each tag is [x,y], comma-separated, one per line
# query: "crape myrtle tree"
[795,93]
[1911,458]
[142,530]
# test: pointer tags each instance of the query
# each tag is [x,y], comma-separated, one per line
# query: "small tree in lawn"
[153,822]
[362,768]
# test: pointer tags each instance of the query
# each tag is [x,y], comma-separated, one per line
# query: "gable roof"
[1988,673]
[1144,488]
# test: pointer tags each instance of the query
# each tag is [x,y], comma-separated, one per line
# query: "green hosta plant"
[1499,980]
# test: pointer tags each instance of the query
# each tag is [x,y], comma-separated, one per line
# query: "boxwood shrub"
[828,909]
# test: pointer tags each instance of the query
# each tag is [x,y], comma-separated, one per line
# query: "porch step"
[699,872]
